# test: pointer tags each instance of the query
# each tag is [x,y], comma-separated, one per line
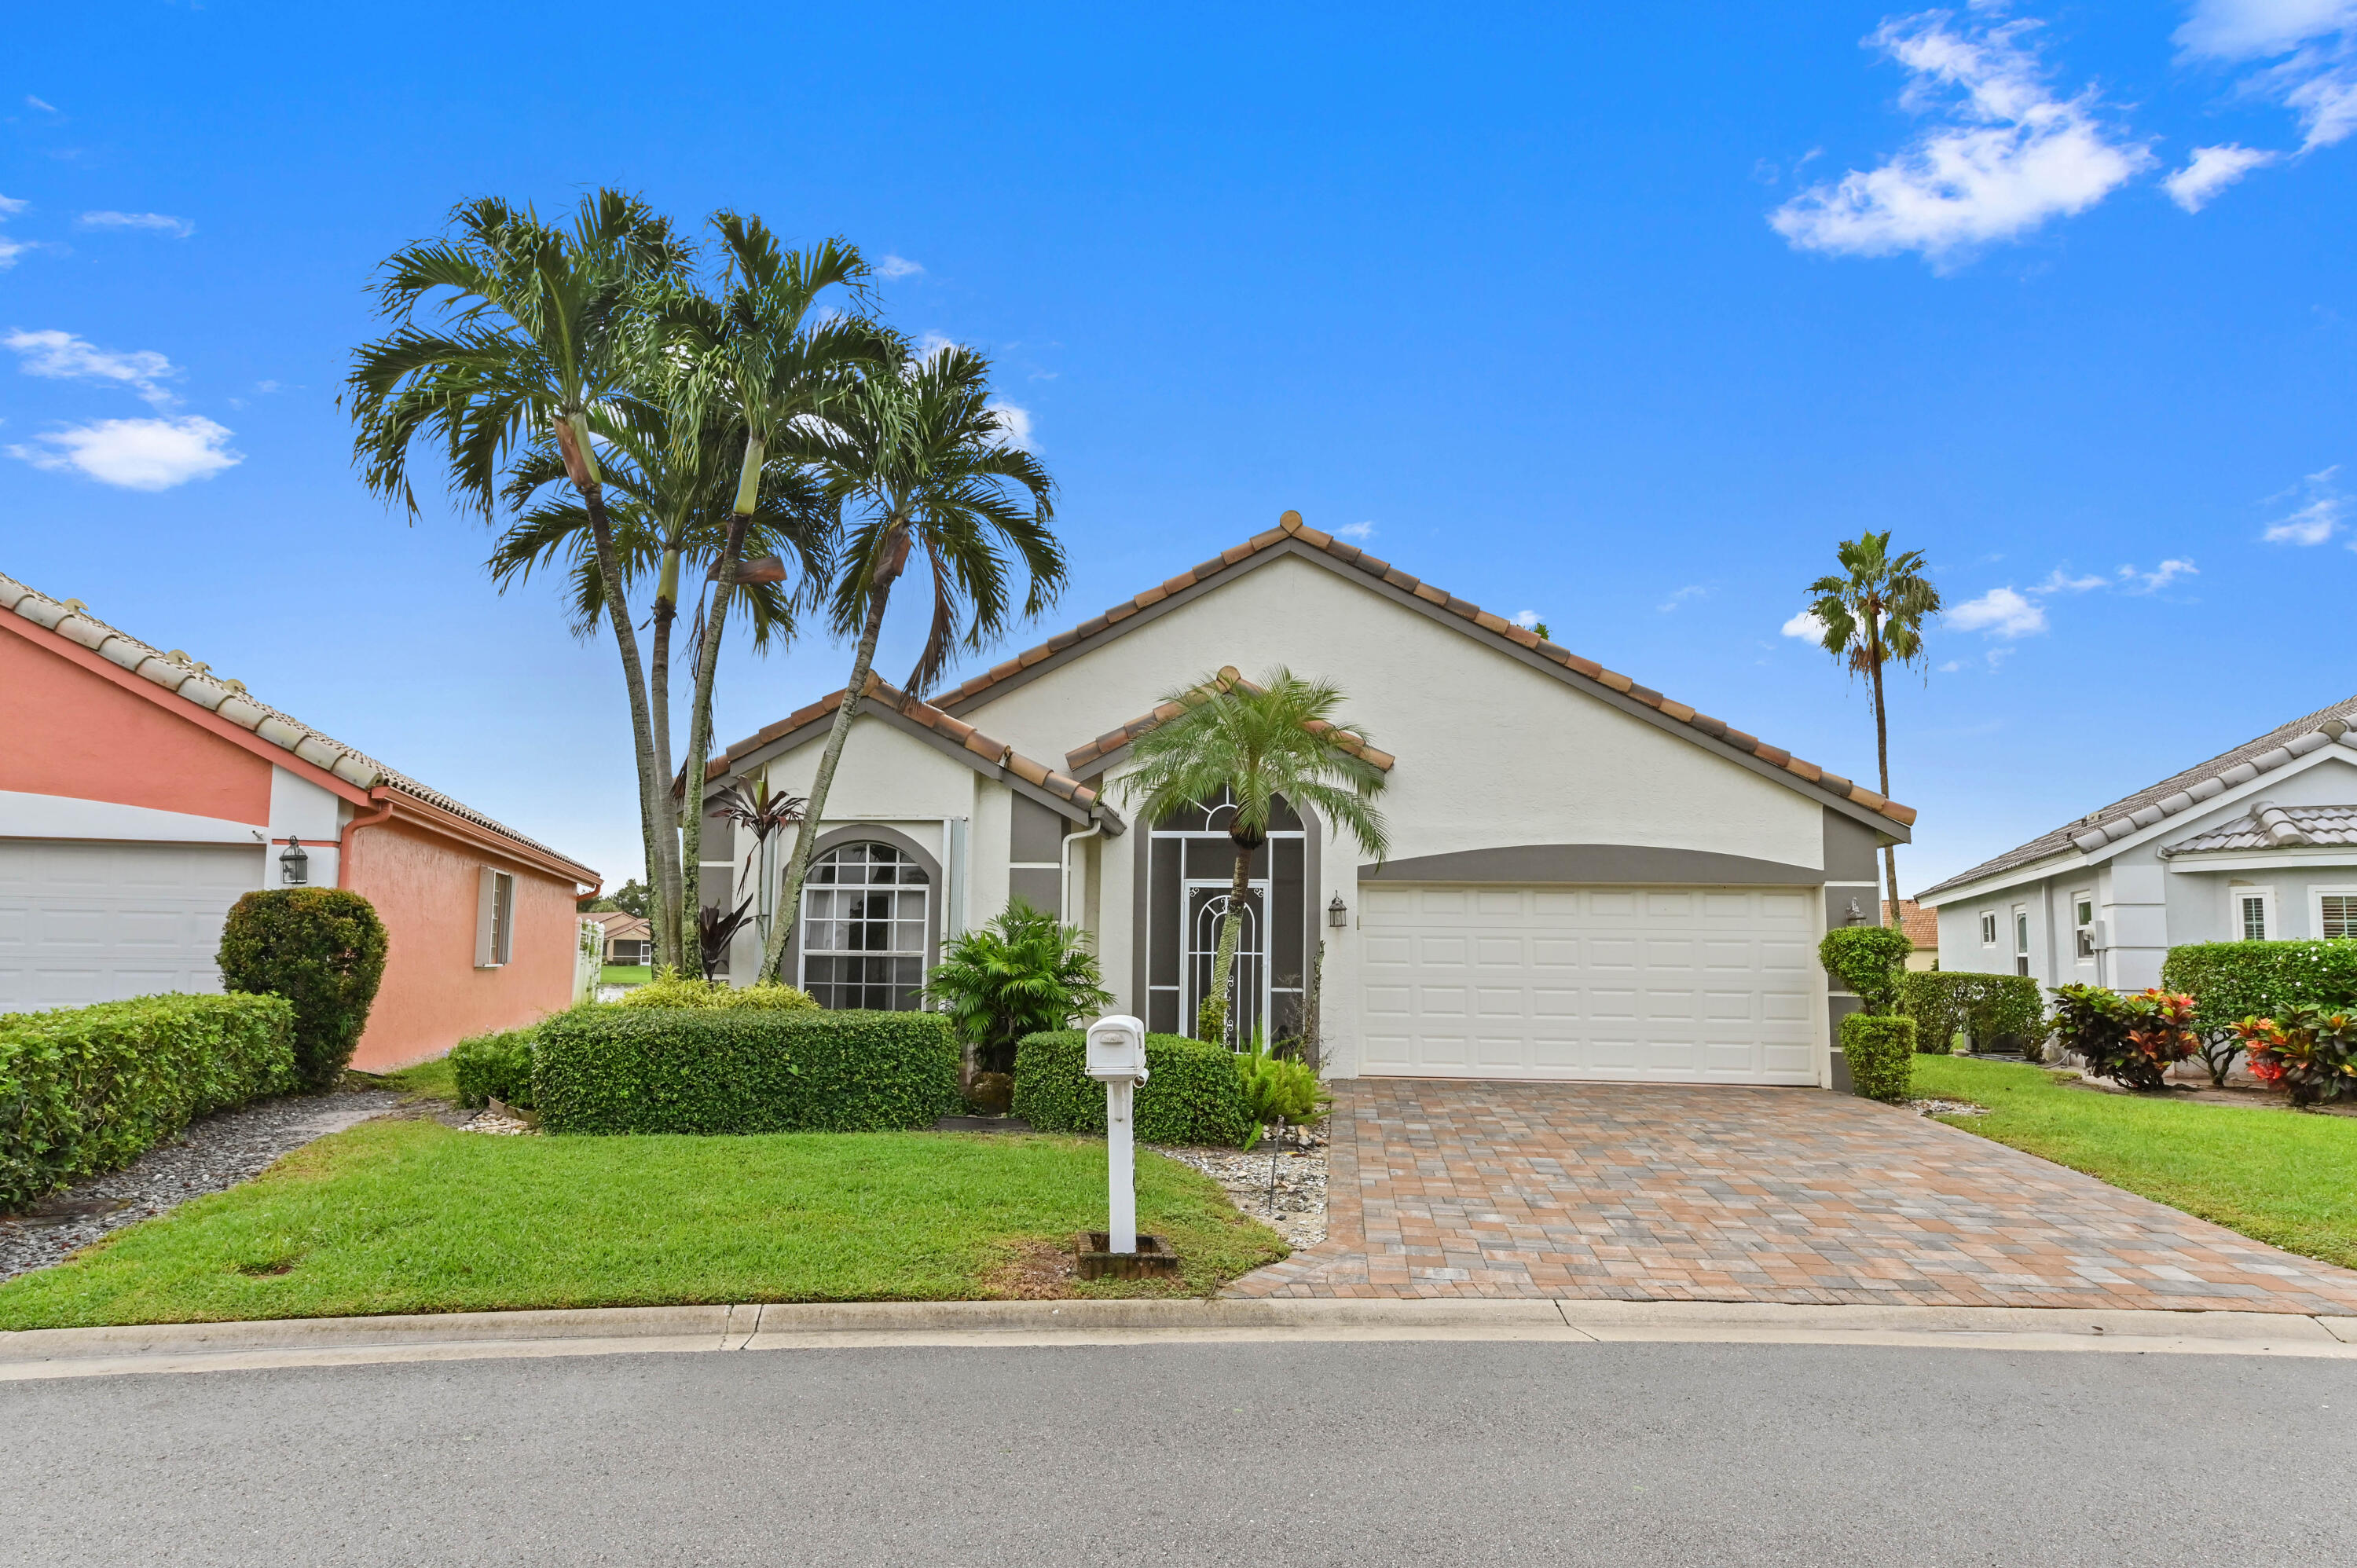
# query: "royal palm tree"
[671,475]
[916,449]
[1252,746]
[1873,611]
[533,329]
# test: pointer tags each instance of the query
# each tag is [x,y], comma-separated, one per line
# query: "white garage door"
[1642,985]
[98,922]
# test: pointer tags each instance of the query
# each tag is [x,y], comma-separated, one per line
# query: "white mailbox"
[1117,1049]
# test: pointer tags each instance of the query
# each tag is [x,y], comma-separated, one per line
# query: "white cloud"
[2060,581]
[1806,627]
[137,454]
[1951,667]
[2211,171]
[2152,582]
[932,343]
[2010,156]
[33,102]
[2000,612]
[2321,516]
[1361,532]
[1014,424]
[1526,619]
[68,357]
[12,204]
[163,223]
[1691,591]
[11,249]
[2313,46]
[893,266]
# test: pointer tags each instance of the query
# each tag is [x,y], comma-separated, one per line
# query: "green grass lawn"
[2281,1177]
[405,1216]
[626,974]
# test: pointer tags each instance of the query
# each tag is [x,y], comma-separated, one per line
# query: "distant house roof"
[1476,621]
[2178,792]
[1921,926]
[621,926]
[177,673]
[2276,827]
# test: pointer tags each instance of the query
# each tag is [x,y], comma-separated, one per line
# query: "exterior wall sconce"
[1857,916]
[294,866]
[1338,914]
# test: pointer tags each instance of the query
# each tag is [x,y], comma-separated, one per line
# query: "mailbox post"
[1117,1060]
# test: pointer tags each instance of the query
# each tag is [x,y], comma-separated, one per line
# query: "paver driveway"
[1661,1193]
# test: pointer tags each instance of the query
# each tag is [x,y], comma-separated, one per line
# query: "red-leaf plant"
[2310,1054]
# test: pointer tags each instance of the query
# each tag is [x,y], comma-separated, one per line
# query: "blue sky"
[1622,316]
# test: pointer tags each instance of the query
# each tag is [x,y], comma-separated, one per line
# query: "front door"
[1206,911]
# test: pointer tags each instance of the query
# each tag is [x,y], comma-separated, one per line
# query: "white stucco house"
[1588,880]
[2259,843]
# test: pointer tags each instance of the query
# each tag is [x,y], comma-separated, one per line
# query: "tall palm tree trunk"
[652,786]
[806,832]
[699,736]
[1882,758]
[1223,958]
[670,932]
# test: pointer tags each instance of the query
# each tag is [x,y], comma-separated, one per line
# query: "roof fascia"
[411,811]
[2012,876]
[2309,857]
[795,740]
[1295,549]
[180,707]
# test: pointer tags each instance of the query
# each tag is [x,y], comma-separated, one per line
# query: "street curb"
[48,1353]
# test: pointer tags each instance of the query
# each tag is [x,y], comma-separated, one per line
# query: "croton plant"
[2132,1041]
[2309,1053]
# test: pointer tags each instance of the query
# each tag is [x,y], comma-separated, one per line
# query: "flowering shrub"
[2308,1052]
[2132,1041]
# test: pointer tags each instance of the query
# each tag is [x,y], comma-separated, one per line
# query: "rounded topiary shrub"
[320,948]
[1882,1056]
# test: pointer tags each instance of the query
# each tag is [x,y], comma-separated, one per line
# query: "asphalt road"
[1451,1454]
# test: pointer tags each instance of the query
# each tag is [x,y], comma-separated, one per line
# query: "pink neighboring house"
[140,795]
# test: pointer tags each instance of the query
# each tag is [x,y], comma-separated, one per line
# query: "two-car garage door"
[85,922]
[1645,985]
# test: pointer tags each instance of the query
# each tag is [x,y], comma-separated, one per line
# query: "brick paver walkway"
[1667,1193]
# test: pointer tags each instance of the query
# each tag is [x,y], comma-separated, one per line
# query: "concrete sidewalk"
[355,1342]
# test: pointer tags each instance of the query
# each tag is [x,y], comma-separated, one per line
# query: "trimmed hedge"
[707,1070]
[690,991]
[320,948]
[495,1067]
[1192,1094]
[1989,1007]
[2232,981]
[1867,960]
[89,1089]
[1882,1056]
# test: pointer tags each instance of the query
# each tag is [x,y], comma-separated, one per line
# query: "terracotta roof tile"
[1291,528]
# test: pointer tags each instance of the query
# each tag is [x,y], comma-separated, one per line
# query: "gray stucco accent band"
[1850,850]
[1594,862]
[1295,549]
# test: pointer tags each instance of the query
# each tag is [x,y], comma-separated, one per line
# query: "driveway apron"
[1674,1193]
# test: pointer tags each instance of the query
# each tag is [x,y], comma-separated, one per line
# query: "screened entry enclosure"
[1190,874]
[865,910]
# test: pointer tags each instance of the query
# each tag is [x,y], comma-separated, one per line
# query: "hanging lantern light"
[294,864]
[1338,914]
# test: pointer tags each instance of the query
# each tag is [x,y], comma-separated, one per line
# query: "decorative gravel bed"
[1948,1108]
[1300,1215]
[215,1153]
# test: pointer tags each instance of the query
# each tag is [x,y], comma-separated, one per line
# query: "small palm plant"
[1019,973]
[1873,611]
[1256,746]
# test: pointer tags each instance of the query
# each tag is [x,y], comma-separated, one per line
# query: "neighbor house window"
[2336,913]
[494,918]
[2020,940]
[1988,928]
[2255,914]
[863,923]
[2083,922]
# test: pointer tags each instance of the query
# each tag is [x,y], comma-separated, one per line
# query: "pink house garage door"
[85,922]
[1624,984]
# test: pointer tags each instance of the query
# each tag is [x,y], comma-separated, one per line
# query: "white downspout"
[1064,873]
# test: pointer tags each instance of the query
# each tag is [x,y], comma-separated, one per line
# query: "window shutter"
[486,919]
[502,917]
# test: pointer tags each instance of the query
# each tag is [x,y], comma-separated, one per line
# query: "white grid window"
[2083,922]
[2020,940]
[863,923]
[2336,916]
[2251,916]
[494,918]
[1988,928]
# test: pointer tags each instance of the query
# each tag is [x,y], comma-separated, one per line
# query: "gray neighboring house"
[2259,843]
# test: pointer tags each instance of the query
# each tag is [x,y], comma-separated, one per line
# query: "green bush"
[1191,1095]
[1867,962]
[495,1067]
[1880,1051]
[742,1069]
[1020,973]
[689,991]
[320,948]
[1989,1007]
[2232,981]
[1277,1089]
[88,1090]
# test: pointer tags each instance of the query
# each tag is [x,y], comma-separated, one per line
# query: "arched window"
[864,922]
